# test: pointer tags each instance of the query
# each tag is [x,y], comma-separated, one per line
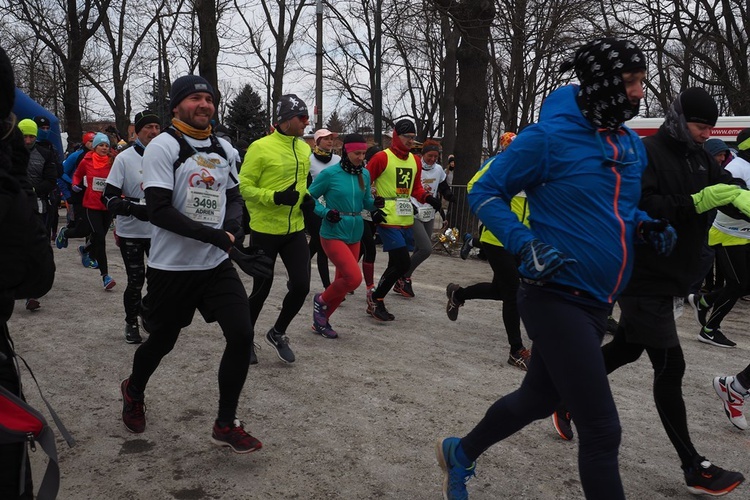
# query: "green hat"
[28,127]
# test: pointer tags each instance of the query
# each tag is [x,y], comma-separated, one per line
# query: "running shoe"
[107,282]
[704,478]
[701,311]
[32,304]
[235,437]
[319,311]
[562,420]
[133,410]
[61,241]
[403,287]
[466,246]
[86,260]
[325,330]
[280,343]
[734,402]
[376,309]
[451,309]
[133,334]
[715,337]
[454,475]
[520,358]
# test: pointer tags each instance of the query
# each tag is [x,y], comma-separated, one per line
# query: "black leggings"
[735,263]
[504,286]
[399,261]
[292,248]
[95,224]
[169,306]
[134,251]
[367,247]
[312,224]
[669,368]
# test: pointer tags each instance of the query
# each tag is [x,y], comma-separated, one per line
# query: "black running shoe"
[379,312]
[562,420]
[133,334]
[704,478]
[280,342]
[612,325]
[520,358]
[701,311]
[403,287]
[715,337]
[451,309]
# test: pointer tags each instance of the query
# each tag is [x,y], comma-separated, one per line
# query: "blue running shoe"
[86,260]
[466,246]
[107,282]
[454,475]
[61,241]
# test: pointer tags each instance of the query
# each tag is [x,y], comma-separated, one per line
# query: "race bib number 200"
[403,206]
[203,205]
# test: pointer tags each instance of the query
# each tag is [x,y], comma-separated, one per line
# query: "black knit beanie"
[698,106]
[405,127]
[186,85]
[289,106]
[7,85]
[144,118]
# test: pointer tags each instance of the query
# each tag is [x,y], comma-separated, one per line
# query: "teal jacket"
[342,192]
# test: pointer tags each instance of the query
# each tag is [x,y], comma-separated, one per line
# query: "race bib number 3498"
[203,205]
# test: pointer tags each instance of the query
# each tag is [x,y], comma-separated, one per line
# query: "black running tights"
[134,251]
[399,261]
[669,368]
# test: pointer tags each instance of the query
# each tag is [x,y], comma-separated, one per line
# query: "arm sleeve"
[368,200]
[317,189]
[161,213]
[113,200]
[417,191]
[377,164]
[233,215]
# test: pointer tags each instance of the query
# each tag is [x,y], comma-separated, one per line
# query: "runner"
[190,183]
[346,190]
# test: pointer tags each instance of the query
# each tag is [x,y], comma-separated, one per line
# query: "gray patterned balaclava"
[599,66]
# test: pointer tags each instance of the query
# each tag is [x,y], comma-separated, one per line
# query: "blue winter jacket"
[583,186]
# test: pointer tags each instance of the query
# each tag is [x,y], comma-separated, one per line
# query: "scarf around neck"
[186,129]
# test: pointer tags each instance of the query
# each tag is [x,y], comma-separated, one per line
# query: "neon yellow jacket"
[518,205]
[272,164]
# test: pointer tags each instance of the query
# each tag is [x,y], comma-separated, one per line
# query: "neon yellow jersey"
[716,237]
[395,184]
[519,205]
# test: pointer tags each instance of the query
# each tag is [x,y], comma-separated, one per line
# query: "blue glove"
[659,234]
[541,261]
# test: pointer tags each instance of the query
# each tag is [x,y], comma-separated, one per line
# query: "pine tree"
[335,124]
[246,117]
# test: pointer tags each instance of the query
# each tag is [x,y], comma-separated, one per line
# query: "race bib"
[425,214]
[203,205]
[404,206]
[99,184]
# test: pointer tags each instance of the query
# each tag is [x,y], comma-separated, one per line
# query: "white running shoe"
[733,401]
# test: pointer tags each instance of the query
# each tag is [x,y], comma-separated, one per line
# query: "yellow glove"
[714,196]
[742,202]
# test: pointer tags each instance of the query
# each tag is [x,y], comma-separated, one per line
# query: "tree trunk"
[450,76]
[208,54]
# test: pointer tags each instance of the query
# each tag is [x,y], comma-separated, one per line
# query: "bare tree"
[281,19]
[65,28]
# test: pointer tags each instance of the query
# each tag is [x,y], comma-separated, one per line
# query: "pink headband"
[354,146]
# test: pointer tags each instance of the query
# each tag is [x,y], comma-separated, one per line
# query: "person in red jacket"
[93,171]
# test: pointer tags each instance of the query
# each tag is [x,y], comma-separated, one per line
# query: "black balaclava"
[599,66]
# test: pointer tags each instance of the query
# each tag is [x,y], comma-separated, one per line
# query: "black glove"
[288,197]
[379,202]
[659,234]
[140,212]
[378,217]
[308,205]
[253,262]
[448,196]
[333,215]
[433,201]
